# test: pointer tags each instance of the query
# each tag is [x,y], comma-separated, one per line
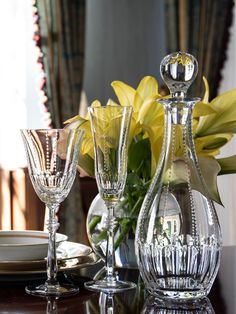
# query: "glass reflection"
[51,305]
[157,306]
[106,303]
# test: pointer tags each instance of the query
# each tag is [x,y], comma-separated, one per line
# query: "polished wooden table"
[222,298]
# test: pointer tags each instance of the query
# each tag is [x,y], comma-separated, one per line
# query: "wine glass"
[110,129]
[52,156]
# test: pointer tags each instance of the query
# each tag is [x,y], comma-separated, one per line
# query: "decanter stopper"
[178,70]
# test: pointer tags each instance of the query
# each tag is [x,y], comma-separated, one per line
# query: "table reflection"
[114,304]
[156,306]
[14,300]
[51,305]
[118,303]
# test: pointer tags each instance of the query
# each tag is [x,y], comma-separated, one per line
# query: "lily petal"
[202,109]
[224,119]
[151,113]
[96,103]
[147,87]
[124,93]
[206,95]
[111,103]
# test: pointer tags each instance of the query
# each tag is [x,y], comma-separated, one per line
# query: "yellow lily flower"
[224,118]
[86,156]
[147,113]
[214,124]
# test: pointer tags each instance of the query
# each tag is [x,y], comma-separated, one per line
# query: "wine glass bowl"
[51,171]
[52,156]
[110,128]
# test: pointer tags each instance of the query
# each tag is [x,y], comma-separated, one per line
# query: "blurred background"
[58,56]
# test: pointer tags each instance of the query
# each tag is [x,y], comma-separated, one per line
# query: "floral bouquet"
[214,124]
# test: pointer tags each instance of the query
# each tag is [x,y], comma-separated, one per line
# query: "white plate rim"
[40,261]
[64,268]
[30,234]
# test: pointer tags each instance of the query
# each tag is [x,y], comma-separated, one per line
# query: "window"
[19,80]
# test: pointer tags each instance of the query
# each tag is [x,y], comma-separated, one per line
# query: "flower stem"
[128,224]
[93,223]
[122,235]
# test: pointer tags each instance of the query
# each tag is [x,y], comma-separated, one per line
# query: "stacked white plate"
[25,245]
[24,252]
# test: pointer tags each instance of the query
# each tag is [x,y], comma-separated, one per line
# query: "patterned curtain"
[59,34]
[200,27]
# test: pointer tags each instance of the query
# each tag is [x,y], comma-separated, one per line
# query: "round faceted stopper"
[178,71]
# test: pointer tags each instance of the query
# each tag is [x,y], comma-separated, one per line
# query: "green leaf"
[139,158]
[209,143]
[216,143]
[210,168]
[133,180]
[228,165]
[177,173]
[125,227]
[87,164]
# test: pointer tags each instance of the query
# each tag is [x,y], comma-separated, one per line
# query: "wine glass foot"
[63,290]
[109,287]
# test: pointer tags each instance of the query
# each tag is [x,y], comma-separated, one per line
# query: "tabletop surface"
[222,298]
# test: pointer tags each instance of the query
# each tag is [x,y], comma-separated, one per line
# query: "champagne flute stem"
[110,255]
[52,258]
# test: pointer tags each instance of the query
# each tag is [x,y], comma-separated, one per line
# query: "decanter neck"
[178,111]
[178,114]
[178,139]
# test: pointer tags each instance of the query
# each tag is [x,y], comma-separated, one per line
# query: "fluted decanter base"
[183,295]
[183,292]
[156,305]
[179,271]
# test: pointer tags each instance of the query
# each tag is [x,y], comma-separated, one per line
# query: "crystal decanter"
[178,238]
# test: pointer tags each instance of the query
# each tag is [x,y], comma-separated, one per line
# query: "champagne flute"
[110,129]
[52,156]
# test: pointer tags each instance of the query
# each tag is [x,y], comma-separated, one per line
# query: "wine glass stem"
[110,255]
[52,258]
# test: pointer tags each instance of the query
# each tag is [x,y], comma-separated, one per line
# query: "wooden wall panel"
[35,209]
[5,200]
[20,207]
